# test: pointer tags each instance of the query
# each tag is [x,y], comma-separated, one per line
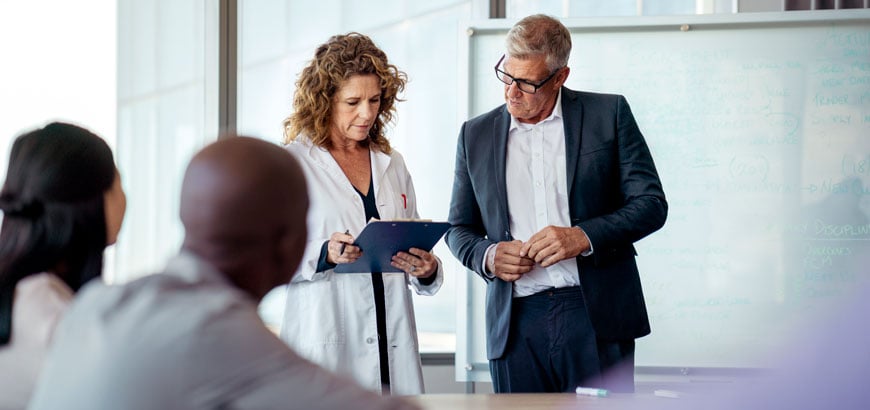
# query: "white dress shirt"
[537,194]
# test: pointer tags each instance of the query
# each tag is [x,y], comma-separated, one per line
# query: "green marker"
[591,391]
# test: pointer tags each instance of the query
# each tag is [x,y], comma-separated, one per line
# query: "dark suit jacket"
[614,194]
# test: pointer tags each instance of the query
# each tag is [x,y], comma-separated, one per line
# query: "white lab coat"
[330,318]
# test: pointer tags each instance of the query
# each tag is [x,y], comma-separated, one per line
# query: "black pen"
[341,250]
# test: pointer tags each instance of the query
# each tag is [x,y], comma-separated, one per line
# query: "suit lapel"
[500,126]
[572,114]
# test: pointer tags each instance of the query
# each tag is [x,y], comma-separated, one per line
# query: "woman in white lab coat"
[358,324]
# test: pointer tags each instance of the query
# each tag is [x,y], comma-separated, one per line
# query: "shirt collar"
[556,114]
[193,269]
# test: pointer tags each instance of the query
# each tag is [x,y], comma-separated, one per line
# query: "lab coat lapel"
[324,160]
[380,164]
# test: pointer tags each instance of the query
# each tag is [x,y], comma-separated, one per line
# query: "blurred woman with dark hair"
[62,204]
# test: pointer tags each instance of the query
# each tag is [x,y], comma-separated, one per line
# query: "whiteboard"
[759,125]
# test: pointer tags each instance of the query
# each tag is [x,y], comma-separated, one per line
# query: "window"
[595,8]
[167,87]
[57,66]
[46,76]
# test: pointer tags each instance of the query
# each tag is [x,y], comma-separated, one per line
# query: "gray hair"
[540,34]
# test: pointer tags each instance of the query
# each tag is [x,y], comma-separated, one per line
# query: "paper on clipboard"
[380,240]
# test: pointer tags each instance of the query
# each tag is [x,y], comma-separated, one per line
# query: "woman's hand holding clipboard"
[380,241]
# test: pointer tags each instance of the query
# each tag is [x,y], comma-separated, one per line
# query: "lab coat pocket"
[322,314]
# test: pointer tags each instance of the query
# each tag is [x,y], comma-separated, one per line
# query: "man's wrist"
[489,261]
[586,237]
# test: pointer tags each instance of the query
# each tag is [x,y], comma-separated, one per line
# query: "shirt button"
[370,340]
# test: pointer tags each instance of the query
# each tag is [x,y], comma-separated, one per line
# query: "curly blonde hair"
[341,57]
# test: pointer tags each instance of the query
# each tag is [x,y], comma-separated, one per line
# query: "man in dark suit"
[550,193]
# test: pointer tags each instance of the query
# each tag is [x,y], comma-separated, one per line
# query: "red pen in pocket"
[405,201]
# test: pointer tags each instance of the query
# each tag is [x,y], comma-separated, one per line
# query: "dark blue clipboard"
[380,240]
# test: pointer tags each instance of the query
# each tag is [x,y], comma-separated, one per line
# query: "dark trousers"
[552,347]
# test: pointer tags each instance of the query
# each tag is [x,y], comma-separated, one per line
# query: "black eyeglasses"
[525,86]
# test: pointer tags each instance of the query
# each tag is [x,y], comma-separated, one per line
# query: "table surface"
[541,401]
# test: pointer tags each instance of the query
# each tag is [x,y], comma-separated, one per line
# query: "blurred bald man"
[191,337]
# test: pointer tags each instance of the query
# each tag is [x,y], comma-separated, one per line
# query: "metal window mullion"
[497,9]
[227,69]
